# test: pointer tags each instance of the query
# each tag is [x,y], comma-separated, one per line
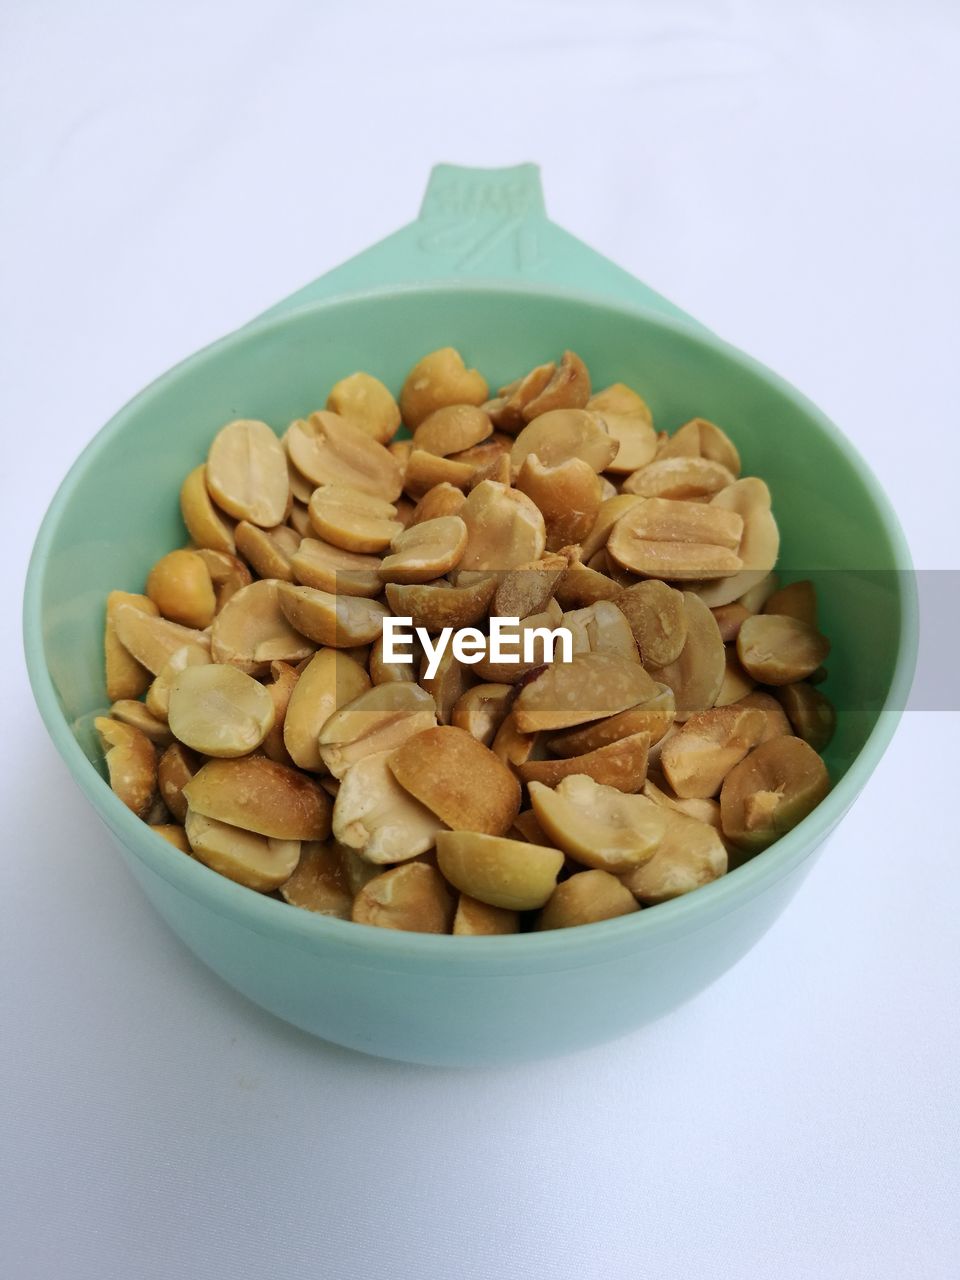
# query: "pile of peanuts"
[258,725]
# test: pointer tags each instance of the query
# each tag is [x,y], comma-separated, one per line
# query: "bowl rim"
[276,919]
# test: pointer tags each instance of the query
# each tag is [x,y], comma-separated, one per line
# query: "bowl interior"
[118,509]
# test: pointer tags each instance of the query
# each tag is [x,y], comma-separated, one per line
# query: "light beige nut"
[729,619]
[434,606]
[299,518]
[207,526]
[375,816]
[777,725]
[703,751]
[497,468]
[811,713]
[443,499]
[253,860]
[769,792]
[130,711]
[657,618]
[797,600]
[330,680]
[383,672]
[636,442]
[425,471]
[376,720]
[759,546]
[158,695]
[515,748]
[568,496]
[174,834]
[619,398]
[259,795]
[459,780]
[283,679]
[504,528]
[365,402]
[506,409]
[150,639]
[319,882]
[476,919]
[697,675]
[267,551]
[413,897]
[175,768]
[125,676]
[505,873]
[702,439]
[755,597]
[535,626]
[736,684]
[437,380]
[653,716]
[592,686]
[227,572]
[452,429]
[179,584]
[482,710]
[691,854]
[247,473]
[251,631]
[328,449]
[528,588]
[776,649]
[681,541]
[562,434]
[598,826]
[611,509]
[300,487]
[324,567]
[684,478]
[586,898]
[568,387]
[601,628]
[131,761]
[581,586]
[621,764]
[425,551]
[327,619]
[219,711]
[353,520]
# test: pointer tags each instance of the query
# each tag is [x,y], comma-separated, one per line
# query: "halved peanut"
[596,825]
[581,586]
[247,473]
[482,710]
[768,793]
[151,639]
[174,834]
[475,919]
[365,402]
[130,711]
[682,541]
[811,713]
[158,695]
[283,680]
[611,509]
[703,751]
[413,897]
[657,618]
[702,439]
[436,605]
[690,854]
[533,630]
[736,684]
[175,768]
[506,409]
[448,684]
[379,818]
[504,528]
[636,442]
[568,387]
[777,723]
[505,873]
[568,496]
[437,380]
[425,551]
[259,795]
[759,546]
[685,478]
[179,584]
[376,720]
[207,526]
[338,621]
[383,672]
[621,764]
[496,468]
[328,449]
[299,518]
[125,676]
[562,434]
[131,761]
[797,600]
[697,675]
[227,572]
[250,631]
[353,520]
[425,471]
[219,711]
[528,588]
[590,687]
[601,628]
[452,429]
[268,551]
[253,860]
[780,650]
[653,716]
[443,499]
[513,747]
[458,779]
[325,567]
[318,883]
[586,898]
[300,487]
[619,398]
[329,681]
[526,827]
[729,619]
[496,445]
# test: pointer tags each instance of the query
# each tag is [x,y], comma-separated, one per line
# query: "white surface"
[785,172]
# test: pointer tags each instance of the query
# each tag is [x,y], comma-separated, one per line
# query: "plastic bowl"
[537,290]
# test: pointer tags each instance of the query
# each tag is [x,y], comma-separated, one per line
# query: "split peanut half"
[365,402]
[511,874]
[598,826]
[247,473]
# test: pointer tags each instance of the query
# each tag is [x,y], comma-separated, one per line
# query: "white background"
[788,174]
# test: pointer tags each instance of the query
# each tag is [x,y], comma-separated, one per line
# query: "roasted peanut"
[811,713]
[443,499]
[319,883]
[434,606]
[267,551]
[328,449]
[137,714]
[502,873]
[586,898]
[504,528]
[797,600]
[439,379]
[601,628]
[174,834]
[125,676]
[247,473]
[425,471]
[736,684]
[482,710]
[425,551]
[703,750]
[619,398]
[379,818]
[596,825]
[702,439]
[658,620]
[256,861]
[325,567]
[366,403]
[179,584]
[376,720]
[459,780]
[283,679]
[562,434]
[219,711]
[256,794]
[250,631]
[207,526]
[684,478]
[653,716]
[759,544]
[330,680]
[150,639]
[690,854]
[327,619]
[131,760]
[413,897]
[452,429]
[590,687]
[680,541]
[777,723]
[476,919]
[567,495]
[621,764]
[780,650]
[697,675]
[769,792]
[353,520]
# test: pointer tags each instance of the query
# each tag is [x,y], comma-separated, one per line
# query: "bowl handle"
[486,225]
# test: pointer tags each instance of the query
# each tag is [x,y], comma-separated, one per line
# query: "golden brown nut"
[598,826]
[619,398]
[219,711]
[125,676]
[443,499]
[636,442]
[319,882]
[592,686]
[482,710]
[621,764]
[378,719]
[353,520]
[250,631]
[383,672]
[703,751]
[586,898]
[253,860]
[611,509]
[374,815]
[769,792]
[658,620]
[328,449]
[413,897]
[581,586]
[496,445]
[729,619]
[227,572]
[338,621]
[759,546]
[690,854]
[425,471]
[797,600]
[179,585]
[528,588]
[325,567]
[459,780]
[268,551]
[653,716]
[515,748]
[531,631]
[683,478]
[682,541]
[256,794]
[130,711]
[702,439]
[504,528]
[150,639]
[247,473]
[300,487]
[502,873]
[425,551]
[131,760]
[697,675]
[330,680]
[158,695]
[283,679]
[175,768]
[475,919]
[562,434]
[777,723]
[452,429]
[568,387]
[439,379]
[174,834]
[811,713]
[207,526]
[366,403]
[567,495]
[736,684]
[780,650]
[526,827]
[434,606]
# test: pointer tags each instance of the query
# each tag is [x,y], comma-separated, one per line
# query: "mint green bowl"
[483,270]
